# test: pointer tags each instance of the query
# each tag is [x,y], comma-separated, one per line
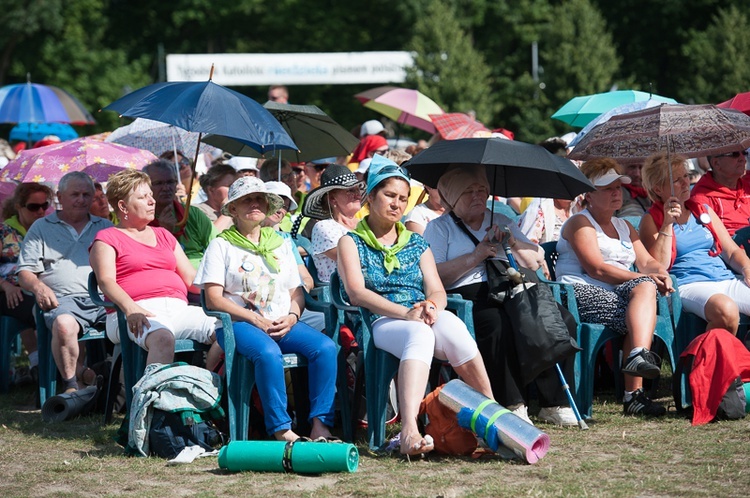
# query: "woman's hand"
[138,321]
[672,211]
[488,247]
[663,282]
[281,326]
[13,294]
[415,314]
[746,275]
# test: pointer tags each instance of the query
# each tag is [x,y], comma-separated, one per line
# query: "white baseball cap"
[610,177]
[363,165]
[282,190]
[372,127]
[240,163]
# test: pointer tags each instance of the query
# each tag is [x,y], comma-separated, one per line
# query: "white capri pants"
[448,339]
[695,295]
[175,315]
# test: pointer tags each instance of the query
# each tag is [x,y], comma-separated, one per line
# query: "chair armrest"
[226,319]
[96,298]
[464,310]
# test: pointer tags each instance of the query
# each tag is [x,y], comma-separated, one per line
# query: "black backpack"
[732,406]
[171,432]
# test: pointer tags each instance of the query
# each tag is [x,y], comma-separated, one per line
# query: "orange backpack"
[442,425]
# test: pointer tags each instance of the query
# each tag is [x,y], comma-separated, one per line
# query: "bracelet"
[295,315]
[431,302]
[665,234]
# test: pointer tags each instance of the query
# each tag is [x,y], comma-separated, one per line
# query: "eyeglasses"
[33,207]
[289,176]
[168,183]
[734,154]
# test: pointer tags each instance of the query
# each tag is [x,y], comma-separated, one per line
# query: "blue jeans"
[265,355]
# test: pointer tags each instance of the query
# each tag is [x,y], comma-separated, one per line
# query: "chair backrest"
[305,244]
[742,238]
[550,256]
[634,220]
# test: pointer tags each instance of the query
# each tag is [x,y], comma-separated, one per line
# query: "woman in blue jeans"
[250,272]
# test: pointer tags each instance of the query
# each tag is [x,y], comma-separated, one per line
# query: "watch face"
[705,218]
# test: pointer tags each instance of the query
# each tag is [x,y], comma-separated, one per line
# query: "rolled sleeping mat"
[67,406]
[279,456]
[746,388]
[494,423]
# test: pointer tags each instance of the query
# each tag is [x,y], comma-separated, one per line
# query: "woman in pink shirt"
[144,271]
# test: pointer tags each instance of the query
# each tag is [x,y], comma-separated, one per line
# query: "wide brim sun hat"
[282,190]
[335,177]
[247,185]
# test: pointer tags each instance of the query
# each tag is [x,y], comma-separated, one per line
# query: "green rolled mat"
[746,387]
[278,456]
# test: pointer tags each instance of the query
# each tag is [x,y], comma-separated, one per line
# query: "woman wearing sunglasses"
[391,272]
[726,189]
[29,203]
[689,239]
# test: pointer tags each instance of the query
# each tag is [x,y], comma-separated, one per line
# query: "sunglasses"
[33,207]
[735,154]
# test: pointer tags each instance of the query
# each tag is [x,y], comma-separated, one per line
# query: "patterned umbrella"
[35,103]
[620,109]
[690,130]
[100,160]
[402,105]
[579,111]
[456,125]
[157,137]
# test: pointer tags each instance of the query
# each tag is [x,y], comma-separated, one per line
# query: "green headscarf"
[390,254]
[269,241]
[14,222]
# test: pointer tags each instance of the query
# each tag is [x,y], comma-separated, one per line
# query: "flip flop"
[327,439]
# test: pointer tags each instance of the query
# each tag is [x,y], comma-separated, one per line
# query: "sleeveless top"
[616,252]
[692,262]
[404,285]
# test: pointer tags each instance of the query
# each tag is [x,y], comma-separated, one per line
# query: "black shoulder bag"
[543,330]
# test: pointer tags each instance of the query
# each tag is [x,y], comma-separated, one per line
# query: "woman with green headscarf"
[249,271]
[30,202]
[391,272]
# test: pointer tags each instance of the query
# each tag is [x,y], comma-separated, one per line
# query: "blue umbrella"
[206,107]
[33,132]
[37,103]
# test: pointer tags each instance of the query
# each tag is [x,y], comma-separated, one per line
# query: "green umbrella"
[579,111]
[316,134]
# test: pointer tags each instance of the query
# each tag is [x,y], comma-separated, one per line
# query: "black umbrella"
[514,169]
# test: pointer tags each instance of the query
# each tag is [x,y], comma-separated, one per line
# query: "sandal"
[327,439]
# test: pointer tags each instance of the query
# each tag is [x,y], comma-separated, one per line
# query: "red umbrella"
[741,102]
[455,125]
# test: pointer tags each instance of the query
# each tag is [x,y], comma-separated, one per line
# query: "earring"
[125,217]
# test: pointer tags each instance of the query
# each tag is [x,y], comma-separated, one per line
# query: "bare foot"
[320,430]
[415,444]
[286,435]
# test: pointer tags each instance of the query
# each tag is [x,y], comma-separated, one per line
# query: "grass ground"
[618,456]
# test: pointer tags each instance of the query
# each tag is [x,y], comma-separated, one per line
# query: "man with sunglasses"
[726,189]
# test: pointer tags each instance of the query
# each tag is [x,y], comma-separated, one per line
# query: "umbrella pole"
[184,219]
[492,196]
[669,165]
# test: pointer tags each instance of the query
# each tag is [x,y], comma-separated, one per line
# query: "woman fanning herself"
[596,253]
[249,271]
[687,237]
[144,271]
[391,272]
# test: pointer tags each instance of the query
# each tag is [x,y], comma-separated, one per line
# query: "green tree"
[719,58]
[447,67]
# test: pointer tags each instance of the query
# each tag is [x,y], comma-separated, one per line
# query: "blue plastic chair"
[593,336]
[634,220]
[503,208]
[131,356]
[380,366]
[10,330]
[240,373]
[47,365]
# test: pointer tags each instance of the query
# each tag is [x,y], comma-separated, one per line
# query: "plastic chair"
[240,374]
[10,330]
[593,336]
[380,366]
[47,365]
[128,355]
[634,220]
[503,208]
[742,238]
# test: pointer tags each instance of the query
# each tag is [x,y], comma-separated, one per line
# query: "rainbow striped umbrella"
[402,105]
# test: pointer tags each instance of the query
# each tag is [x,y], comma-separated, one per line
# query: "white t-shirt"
[421,215]
[616,252]
[325,236]
[245,276]
[449,242]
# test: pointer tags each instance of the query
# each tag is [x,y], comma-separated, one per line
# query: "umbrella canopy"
[35,103]
[99,160]
[740,102]
[206,107]
[157,137]
[690,130]
[580,111]
[32,132]
[620,109]
[457,125]
[316,134]
[402,105]
[514,169]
